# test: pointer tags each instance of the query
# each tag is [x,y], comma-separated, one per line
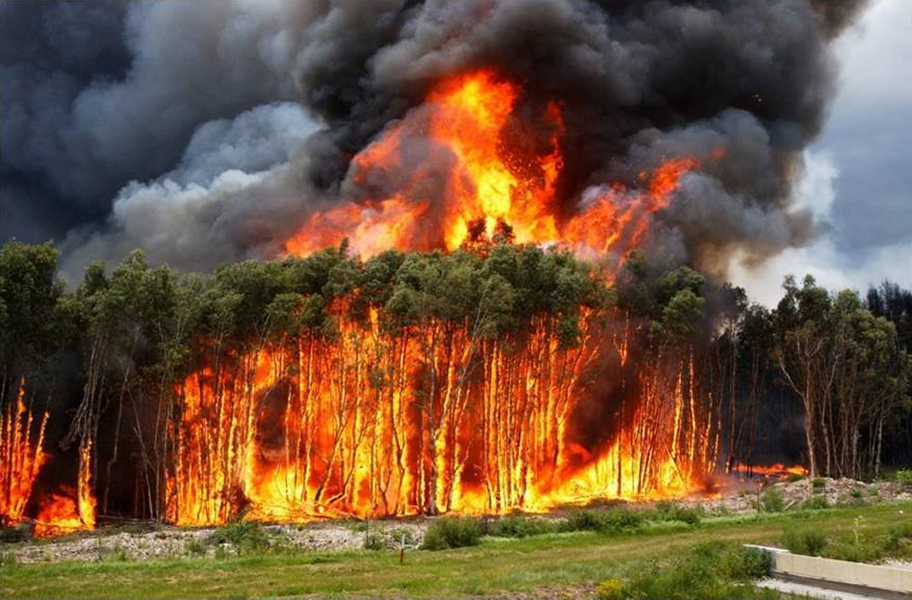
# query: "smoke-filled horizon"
[211,133]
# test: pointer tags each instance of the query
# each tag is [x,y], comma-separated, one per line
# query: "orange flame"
[337,426]
[21,457]
[487,170]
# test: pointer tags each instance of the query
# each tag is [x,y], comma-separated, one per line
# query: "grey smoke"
[208,132]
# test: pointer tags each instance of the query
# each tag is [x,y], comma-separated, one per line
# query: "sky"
[858,173]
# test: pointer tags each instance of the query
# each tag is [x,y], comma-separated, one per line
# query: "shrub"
[618,519]
[745,563]
[195,546]
[904,476]
[898,536]
[711,571]
[809,541]
[613,520]
[373,541]
[793,477]
[520,527]
[819,484]
[816,503]
[610,589]
[691,516]
[243,536]
[402,535]
[451,532]
[773,501]
[582,520]
[856,493]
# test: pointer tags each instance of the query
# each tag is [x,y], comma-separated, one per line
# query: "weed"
[520,527]
[373,541]
[195,546]
[610,589]
[452,532]
[904,476]
[709,571]
[808,541]
[403,535]
[606,521]
[773,501]
[244,536]
[816,503]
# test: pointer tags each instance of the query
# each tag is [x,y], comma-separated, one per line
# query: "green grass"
[552,561]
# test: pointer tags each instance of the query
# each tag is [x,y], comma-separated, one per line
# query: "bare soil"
[143,541]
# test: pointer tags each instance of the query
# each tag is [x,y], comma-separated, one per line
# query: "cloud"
[832,268]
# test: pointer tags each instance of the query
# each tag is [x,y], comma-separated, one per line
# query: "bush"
[610,589]
[452,532]
[904,476]
[793,477]
[816,503]
[613,520]
[520,527]
[582,520]
[373,541]
[669,511]
[243,536]
[195,546]
[809,541]
[711,571]
[898,536]
[773,501]
[819,484]
[745,563]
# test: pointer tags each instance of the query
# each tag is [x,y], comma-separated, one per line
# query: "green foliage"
[195,546]
[373,541]
[816,503]
[244,537]
[452,532]
[904,476]
[818,484]
[671,511]
[604,521]
[712,570]
[517,526]
[773,501]
[29,293]
[805,541]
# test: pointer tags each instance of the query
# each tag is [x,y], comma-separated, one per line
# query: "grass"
[859,544]
[551,561]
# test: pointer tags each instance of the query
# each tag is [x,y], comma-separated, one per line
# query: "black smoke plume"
[209,132]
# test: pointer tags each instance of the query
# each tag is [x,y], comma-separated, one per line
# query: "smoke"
[206,133]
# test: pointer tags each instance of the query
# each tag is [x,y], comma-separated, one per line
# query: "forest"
[493,377]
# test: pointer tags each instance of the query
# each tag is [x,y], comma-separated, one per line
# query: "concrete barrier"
[840,574]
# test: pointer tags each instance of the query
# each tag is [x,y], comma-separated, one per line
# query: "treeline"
[605,359]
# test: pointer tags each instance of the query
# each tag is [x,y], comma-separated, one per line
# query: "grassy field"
[556,563]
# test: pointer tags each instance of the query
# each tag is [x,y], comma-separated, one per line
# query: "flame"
[71,510]
[338,426]
[21,457]
[772,470]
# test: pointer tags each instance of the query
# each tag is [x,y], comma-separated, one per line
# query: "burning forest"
[487,276]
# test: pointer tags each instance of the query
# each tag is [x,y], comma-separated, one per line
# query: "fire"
[21,457]
[70,510]
[345,426]
[489,172]
[772,470]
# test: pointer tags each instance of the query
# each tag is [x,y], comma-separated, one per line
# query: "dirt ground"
[143,540]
